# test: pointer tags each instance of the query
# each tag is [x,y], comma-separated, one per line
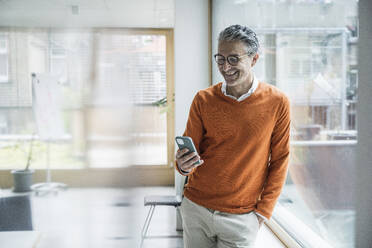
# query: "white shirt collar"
[244,96]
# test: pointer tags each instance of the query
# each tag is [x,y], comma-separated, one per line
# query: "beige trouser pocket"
[204,228]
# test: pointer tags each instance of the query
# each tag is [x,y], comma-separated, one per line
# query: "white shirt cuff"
[185,173]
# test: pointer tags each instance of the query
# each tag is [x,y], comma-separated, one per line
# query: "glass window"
[4,58]
[138,62]
[113,87]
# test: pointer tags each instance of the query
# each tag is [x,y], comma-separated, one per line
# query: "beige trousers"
[205,228]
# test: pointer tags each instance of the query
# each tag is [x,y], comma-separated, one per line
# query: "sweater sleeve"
[194,129]
[278,165]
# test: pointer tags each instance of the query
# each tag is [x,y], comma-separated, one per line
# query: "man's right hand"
[186,162]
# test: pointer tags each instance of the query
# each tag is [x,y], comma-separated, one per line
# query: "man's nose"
[226,66]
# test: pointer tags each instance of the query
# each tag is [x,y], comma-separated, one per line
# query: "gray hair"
[241,33]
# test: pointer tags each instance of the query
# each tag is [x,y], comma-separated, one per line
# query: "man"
[240,129]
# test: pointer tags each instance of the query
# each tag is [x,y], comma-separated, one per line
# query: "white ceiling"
[92,13]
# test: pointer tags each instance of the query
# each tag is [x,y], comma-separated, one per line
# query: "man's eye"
[233,60]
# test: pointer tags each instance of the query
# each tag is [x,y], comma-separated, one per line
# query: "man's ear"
[254,60]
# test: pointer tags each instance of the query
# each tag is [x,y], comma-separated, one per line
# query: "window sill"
[292,231]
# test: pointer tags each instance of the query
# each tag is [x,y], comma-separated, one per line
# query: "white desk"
[19,239]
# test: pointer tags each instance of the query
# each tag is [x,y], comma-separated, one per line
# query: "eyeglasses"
[231,59]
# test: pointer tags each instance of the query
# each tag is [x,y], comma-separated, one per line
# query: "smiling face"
[241,73]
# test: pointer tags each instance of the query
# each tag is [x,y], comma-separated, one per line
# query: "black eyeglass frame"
[227,58]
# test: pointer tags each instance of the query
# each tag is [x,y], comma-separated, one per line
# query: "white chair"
[158,200]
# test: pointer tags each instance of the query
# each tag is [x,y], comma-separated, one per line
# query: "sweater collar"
[244,96]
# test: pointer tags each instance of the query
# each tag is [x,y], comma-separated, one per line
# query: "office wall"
[80,13]
[191,62]
[363,191]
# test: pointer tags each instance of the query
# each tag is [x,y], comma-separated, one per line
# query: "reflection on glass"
[63,54]
[132,67]
[108,75]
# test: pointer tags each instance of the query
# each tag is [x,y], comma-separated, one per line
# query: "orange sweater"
[245,148]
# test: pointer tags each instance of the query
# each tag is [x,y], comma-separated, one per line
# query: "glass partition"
[113,86]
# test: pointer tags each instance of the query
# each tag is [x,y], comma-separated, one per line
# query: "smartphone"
[186,142]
